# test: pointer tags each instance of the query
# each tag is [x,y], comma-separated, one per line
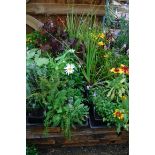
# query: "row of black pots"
[36,117]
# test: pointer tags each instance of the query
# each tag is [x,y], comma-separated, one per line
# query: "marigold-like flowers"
[69,69]
[116,70]
[125,69]
[101,43]
[118,114]
[121,70]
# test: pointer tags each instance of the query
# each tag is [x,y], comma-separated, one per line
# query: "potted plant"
[65,104]
[34,107]
[111,100]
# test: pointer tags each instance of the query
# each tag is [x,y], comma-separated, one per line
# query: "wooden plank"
[48,1]
[127,1]
[80,137]
[97,2]
[33,22]
[63,9]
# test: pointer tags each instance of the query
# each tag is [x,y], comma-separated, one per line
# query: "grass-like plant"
[84,28]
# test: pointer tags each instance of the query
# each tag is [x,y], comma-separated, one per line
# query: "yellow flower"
[100,43]
[112,70]
[101,35]
[117,70]
[123,98]
[118,114]
[121,117]
[122,65]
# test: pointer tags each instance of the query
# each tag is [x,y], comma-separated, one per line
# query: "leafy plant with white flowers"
[59,88]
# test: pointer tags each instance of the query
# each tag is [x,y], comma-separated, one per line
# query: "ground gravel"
[112,149]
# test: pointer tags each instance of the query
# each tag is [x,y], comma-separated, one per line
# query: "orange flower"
[60,21]
[122,70]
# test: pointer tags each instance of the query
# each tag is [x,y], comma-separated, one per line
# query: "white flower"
[88,87]
[127,52]
[124,46]
[79,66]
[69,69]
[52,24]
[71,50]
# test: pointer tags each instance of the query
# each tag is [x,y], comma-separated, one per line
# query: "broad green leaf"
[41,61]
[30,54]
[113,95]
[59,110]
[123,90]
[109,93]
[123,80]
[56,120]
[120,93]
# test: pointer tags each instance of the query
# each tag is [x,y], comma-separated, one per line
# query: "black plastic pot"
[95,120]
[84,125]
[96,116]
[35,115]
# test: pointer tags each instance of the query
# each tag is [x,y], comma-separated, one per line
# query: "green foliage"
[107,59]
[33,39]
[59,93]
[36,71]
[31,150]
[66,110]
[107,108]
[84,30]
[116,88]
